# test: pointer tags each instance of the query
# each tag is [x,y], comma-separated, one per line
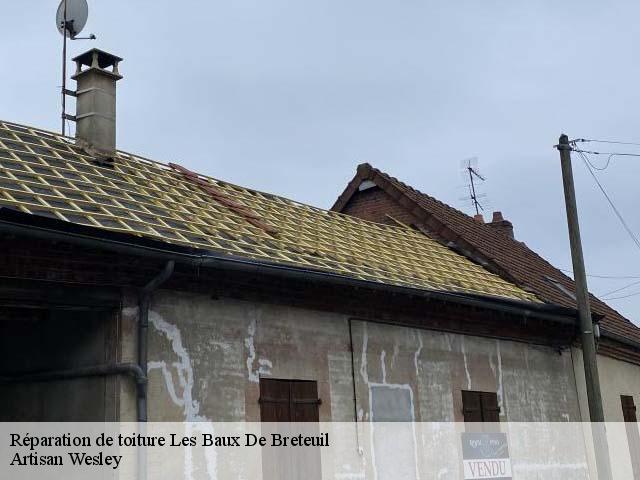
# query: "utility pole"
[589,354]
[596,413]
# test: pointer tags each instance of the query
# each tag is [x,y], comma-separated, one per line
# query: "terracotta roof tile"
[516,261]
[45,174]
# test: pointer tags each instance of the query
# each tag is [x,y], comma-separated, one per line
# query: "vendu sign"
[485,456]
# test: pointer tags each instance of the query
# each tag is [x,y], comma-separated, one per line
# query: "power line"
[605,141]
[622,296]
[621,288]
[592,152]
[611,204]
[606,277]
[610,154]
[606,165]
[590,168]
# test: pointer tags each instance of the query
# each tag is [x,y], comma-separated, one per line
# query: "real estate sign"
[485,456]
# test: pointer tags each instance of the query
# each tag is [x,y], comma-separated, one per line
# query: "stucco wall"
[206,356]
[616,378]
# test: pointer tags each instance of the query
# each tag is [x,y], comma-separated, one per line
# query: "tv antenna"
[71,18]
[471,173]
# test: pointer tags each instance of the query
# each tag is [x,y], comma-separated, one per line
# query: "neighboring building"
[224,303]
[375,196]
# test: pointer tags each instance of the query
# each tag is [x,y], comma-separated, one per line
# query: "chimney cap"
[478,218]
[104,59]
[497,217]
[502,225]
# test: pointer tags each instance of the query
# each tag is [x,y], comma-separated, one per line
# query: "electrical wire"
[605,141]
[606,165]
[606,277]
[611,204]
[591,167]
[620,218]
[620,289]
[622,296]
[573,143]
[592,152]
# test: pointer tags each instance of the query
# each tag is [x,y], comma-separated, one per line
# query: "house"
[137,290]
[376,196]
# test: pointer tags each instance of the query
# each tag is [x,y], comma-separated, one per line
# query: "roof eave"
[19,223]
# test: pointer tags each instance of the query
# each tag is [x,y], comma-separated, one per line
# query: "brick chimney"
[96,102]
[501,225]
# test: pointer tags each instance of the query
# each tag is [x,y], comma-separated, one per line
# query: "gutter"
[131,369]
[620,339]
[19,223]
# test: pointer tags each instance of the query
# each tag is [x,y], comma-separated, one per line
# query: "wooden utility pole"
[587,336]
[596,413]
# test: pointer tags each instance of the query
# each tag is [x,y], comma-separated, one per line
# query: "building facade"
[141,291]
[378,197]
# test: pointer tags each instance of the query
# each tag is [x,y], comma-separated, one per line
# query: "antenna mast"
[70,19]
[471,175]
[474,197]
[64,68]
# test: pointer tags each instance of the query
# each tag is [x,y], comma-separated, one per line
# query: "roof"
[511,259]
[45,174]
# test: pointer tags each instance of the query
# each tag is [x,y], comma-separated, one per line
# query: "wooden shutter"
[480,406]
[304,401]
[628,408]
[471,406]
[274,400]
[288,400]
[633,434]
[490,408]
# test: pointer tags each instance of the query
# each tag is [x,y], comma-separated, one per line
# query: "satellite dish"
[76,17]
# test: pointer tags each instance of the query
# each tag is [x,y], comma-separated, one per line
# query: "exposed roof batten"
[44,174]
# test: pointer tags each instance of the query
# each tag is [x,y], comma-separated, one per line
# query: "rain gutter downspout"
[143,329]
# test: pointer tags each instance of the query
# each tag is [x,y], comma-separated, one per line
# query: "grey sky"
[289,96]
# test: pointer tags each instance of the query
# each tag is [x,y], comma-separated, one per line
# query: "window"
[480,406]
[289,400]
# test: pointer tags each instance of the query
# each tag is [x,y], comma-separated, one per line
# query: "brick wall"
[376,206]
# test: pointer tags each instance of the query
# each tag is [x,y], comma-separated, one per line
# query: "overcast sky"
[288,96]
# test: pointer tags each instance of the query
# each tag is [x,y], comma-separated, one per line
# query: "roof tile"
[517,261]
[146,198]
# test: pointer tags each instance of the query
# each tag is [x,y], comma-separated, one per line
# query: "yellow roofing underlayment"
[45,174]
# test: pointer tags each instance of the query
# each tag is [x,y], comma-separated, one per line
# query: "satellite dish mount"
[71,18]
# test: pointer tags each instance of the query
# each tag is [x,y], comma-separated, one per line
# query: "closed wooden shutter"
[633,434]
[480,406]
[274,400]
[289,400]
[285,401]
[490,408]
[628,408]
[304,401]
[471,406]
